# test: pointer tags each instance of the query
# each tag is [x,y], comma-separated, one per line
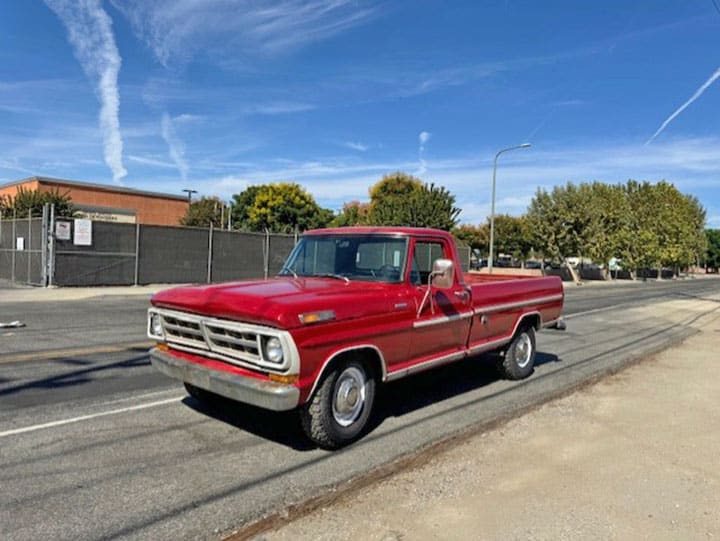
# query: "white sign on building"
[82,233]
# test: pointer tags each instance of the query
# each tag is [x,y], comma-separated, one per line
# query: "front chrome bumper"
[264,394]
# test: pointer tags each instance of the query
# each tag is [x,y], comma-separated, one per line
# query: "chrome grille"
[185,331]
[245,345]
[230,341]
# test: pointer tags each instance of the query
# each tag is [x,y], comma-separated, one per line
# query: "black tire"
[199,394]
[518,360]
[331,422]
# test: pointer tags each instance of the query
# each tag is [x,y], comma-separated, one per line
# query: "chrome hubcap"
[349,396]
[522,351]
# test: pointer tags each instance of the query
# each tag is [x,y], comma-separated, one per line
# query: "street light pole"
[492,204]
[189,192]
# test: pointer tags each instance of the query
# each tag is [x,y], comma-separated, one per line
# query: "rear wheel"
[519,358]
[339,411]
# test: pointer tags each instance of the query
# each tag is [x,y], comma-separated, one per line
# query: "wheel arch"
[369,354]
[533,319]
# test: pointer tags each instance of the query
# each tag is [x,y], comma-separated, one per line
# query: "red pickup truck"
[352,308]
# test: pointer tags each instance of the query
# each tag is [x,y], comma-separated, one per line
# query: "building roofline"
[101,187]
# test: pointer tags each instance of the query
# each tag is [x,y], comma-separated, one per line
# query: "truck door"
[444,332]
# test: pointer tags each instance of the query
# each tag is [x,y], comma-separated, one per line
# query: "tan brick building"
[109,203]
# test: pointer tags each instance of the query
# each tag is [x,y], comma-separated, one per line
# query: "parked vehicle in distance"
[353,308]
[476,260]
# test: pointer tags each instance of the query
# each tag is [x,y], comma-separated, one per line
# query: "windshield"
[371,258]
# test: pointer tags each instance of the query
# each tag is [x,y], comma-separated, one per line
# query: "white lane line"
[87,417]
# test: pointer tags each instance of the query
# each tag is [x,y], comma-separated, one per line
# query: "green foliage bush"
[32,201]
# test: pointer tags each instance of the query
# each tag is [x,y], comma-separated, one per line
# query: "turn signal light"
[280,378]
[316,317]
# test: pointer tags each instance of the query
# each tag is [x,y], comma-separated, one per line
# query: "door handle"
[462,294]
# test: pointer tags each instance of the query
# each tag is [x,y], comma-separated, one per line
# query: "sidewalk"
[50,294]
[636,456]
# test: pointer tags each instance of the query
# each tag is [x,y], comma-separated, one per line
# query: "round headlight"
[273,350]
[156,325]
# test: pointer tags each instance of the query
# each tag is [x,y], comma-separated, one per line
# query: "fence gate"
[23,248]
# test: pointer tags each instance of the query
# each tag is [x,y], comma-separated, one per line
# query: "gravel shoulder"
[632,457]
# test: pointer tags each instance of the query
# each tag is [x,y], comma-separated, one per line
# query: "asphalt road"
[86,323]
[99,446]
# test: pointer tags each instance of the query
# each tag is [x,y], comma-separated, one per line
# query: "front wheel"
[519,358]
[338,412]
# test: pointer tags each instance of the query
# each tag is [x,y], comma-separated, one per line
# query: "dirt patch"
[632,457]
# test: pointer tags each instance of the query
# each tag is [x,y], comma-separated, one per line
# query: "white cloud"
[175,30]
[13,165]
[277,108]
[176,147]
[360,147]
[186,118]
[90,32]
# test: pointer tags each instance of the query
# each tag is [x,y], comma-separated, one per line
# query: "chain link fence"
[49,251]
[128,254]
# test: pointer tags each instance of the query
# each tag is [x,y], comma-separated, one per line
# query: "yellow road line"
[72,352]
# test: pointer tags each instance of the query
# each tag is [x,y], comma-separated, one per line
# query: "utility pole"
[189,193]
[492,208]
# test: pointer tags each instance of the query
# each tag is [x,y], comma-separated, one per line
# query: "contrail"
[698,93]
[423,137]
[90,33]
[176,148]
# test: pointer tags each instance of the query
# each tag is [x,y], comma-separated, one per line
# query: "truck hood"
[278,301]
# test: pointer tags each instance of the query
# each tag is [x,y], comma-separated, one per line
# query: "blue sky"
[215,95]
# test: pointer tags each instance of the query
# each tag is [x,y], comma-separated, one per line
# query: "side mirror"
[443,274]
[441,277]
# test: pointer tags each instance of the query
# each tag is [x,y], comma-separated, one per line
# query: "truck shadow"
[282,427]
[393,400]
[85,371]
[434,386]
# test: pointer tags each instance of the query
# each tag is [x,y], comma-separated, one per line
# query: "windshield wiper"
[288,269]
[333,275]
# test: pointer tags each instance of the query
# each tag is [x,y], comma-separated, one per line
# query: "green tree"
[512,236]
[242,202]
[555,220]
[397,184]
[204,211]
[647,225]
[401,199]
[475,236]
[353,213]
[34,200]
[712,254]
[667,226]
[279,208]
[608,221]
